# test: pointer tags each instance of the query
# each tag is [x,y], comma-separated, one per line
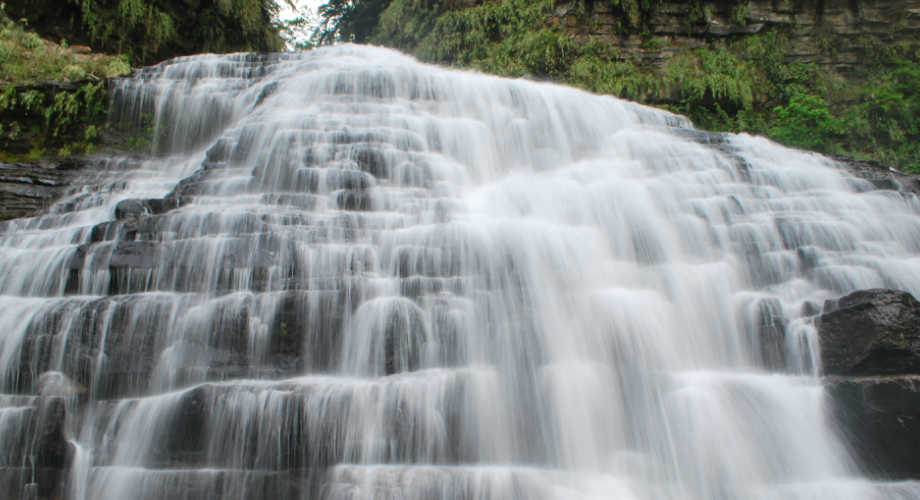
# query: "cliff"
[837,35]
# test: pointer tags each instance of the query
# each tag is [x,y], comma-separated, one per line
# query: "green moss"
[26,58]
[32,155]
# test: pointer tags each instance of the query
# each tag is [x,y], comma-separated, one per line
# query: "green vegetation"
[743,84]
[348,20]
[38,118]
[41,121]
[26,58]
[151,30]
[148,31]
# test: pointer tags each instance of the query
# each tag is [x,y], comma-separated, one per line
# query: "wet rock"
[184,440]
[879,418]
[27,188]
[771,334]
[135,254]
[21,482]
[304,318]
[870,345]
[879,176]
[139,208]
[353,200]
[871,332]
[51,447]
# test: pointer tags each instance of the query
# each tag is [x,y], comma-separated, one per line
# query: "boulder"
[870,351]
[871,332]
[133,208]
[879,419]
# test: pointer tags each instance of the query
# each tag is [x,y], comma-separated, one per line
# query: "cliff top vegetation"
[26,58]
[148,31]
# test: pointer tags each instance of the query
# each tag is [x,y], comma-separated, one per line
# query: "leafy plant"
[26,58]
[806,122]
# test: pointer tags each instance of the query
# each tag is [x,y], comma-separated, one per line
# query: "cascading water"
[351,276]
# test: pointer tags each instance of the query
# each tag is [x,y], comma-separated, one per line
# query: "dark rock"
[771,334]
[184,435]
[20,482]
[27,188]
[51,447]
[880,176]
[871,332]
[304,318]
[130,208]
[353,200]
[139,208]
[135,254]
[873,338]
[879,419]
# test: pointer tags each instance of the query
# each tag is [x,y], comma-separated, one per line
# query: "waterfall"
[347,275]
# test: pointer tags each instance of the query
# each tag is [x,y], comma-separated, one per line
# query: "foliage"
[151,30]
[297,31]
[886,120]
[509,37]
[44,118]
[713,85]
[347,20]
[806,122]
[85,104]
[25,58]
[610,75]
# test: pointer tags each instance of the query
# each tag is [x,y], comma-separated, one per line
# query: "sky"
[305,8]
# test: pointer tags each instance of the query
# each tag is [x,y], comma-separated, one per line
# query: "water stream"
[347,275]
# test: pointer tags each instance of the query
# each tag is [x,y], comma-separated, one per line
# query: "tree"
[348,20]
[152,30]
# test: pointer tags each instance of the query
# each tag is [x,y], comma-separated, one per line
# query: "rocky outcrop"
[870,348]
[837,34]
[879,417]
[871,332]
[45,129]
[43,118]
[26,188]
[880,176]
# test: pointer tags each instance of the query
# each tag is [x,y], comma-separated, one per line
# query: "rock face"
[813,26]
[870,348]
[26,188]
[871,332]
[880,176]
[880,419]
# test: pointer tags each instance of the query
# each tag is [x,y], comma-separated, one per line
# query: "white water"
[392,281]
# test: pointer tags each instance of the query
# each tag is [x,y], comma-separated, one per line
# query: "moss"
[26,58]
[31,155]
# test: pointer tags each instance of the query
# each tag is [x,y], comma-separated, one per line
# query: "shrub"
[806,122]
